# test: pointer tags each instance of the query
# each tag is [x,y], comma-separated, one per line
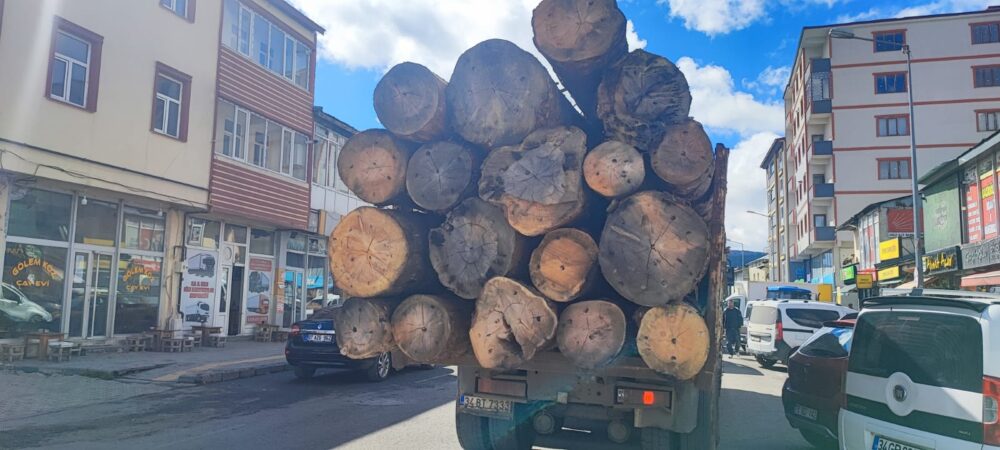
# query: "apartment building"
[105,132]
[331,199]
[774,165]
[847,124]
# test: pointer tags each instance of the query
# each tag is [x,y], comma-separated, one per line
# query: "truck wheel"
[766,363]
[509,434]
[657,438]
[472,434]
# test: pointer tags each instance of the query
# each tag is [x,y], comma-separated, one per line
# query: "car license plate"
[319,338]
[881,443]
[805,411]
[487,406]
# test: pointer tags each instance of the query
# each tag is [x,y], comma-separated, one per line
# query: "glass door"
[294,300]
[90,298]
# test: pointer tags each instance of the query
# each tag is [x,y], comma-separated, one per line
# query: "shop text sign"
[890,273]
[137,278]
[941,261]
[865,281]
[849,274]
[974,225]
[888,250]
[981,254]
[29,278]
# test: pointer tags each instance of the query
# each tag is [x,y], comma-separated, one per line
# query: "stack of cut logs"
[509,223]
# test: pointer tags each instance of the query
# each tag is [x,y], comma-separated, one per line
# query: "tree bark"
[442,173]
[410,102]
[539,184]
[379,252]
[431,328]
[499,93]
[511,323]
[580,40]
[363,327]
[614,169]
[674,340]
[683,159]
[639,95]
[592,333]
[564,266]
[474,244]
[653,251]
[373,166]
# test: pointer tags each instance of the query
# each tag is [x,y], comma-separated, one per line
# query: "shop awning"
[982,279]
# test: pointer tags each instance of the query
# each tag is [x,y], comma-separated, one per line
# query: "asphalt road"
[413,409]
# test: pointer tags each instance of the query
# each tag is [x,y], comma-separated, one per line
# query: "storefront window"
[203,233]
[297,242]
[33,280]
[315,276]
[317,246]
[138,300]
[236,234]
[96,222]
[40,214]
[261,242]
[297,260]
[142,230]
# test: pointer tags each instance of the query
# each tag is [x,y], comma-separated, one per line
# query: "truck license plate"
[480,406]
[881,443]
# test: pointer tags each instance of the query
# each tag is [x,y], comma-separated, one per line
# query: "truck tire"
[487,433]
[766,363]
[652,438]
[471,430]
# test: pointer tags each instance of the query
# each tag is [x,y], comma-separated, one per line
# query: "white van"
[777,328]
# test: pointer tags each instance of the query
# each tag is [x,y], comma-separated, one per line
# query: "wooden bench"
[11,352]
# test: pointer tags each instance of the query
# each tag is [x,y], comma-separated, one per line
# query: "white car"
[776,328]
[924,373]
[15,305]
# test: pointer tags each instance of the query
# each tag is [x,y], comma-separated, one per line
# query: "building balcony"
[822,191]
[824,234]
[821,108]
[819,65]
[822,148]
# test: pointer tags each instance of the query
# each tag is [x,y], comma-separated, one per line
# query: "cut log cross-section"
[512,322]
[364,327]
[591,333]
[580,40]
[674,340]
[410,102]
[564,265]
[432,329]
[441,174]
[539,183]
[474,244]
[499,93]
[683,159]
[653,250]
[614,169]
[373,166]
[379,252]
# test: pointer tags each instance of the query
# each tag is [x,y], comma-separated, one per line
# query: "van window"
[934,349]
[764,315]
[749,309]
[812,318]
[828,343]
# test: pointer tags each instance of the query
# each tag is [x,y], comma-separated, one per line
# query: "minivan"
[778,327]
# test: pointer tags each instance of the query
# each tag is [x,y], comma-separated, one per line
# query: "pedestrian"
[732,321]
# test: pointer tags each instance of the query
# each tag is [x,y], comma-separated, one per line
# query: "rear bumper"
[780,352]
[826,412]
[305,356]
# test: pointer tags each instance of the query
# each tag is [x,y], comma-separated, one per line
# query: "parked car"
[924,373]
[779,327]
[814,390]
[312,344]
[15,305]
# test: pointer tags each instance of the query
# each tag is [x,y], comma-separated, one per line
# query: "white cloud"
[746,191]
[944,6]
[770,81]
[715,17]
[873,13]
[634,41]
[716,104]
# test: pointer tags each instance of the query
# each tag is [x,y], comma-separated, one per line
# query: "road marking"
[436,377]
[174,376]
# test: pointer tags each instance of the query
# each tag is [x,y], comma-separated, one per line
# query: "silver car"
[15,304]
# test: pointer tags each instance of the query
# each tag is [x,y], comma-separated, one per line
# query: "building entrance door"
[90,299]
[295,297]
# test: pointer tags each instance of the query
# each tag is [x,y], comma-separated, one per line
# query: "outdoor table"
[205,330]
[43,341]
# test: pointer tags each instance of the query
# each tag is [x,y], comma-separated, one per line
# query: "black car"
[312,344]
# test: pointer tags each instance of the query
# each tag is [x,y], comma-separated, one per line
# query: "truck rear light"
[643,397]
[648,397]
[508,388]
[991,402]
[779,332]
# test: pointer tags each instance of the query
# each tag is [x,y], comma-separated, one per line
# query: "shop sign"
[972,217]
[24,276]
[198,286]
[849,274]
[981,254]
[888,274]
[941,261]
[137,278]
[989,203]
[888,250]
[865,281]
[259,298]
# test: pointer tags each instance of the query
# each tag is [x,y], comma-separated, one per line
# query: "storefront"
[941,268]
[981,265]
[84,266]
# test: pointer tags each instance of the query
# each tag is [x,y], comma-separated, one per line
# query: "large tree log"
[564,266]
[580,39]
[539,183]
[363,327]
[511,323]
[683,159]
[410,102]
[639,95]
[431,328]
[614,169]
[499,93]
[378,252]
[674,340]
[373,166]
[442,173]
[653,251]
[591,333]
[474,244]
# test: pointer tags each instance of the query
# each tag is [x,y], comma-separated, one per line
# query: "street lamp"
[918,272]
[758,214]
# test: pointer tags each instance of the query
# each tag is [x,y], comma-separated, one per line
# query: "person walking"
[732,321]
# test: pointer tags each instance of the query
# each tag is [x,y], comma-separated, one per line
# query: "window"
[987,120]
[266,43]
[986,76]
[74,66]
[258,138]
[829,343]
[888,41]
[138,302]
[203,233]
[231,135]
[819,220]
[812,318]
[33,273]
[171,101]
[893,125]
[96,222]
[261,242]
[985,33]
[272,146]
[764,315]
[313,225]
[142,230]
[890,83]
[894,169]
[40,214]
[183,8]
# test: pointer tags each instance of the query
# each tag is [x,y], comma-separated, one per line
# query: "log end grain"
[674,340]
[591,333]
[564,264]
[373,165]
[683,158]
[432,329]
[579,33]
[410,102]
[614,169]
[442,173]
[511,323]
[364,327]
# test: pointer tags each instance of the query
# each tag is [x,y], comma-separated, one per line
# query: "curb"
[90,373]
[223,375]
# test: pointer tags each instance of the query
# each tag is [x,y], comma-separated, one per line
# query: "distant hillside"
[738,257]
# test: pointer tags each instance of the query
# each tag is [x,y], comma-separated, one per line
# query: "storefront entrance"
[294,300]
[90,299]
[231,298]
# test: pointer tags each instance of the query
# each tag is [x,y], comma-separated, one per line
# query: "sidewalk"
[239,359]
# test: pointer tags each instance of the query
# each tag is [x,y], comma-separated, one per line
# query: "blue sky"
[735,53]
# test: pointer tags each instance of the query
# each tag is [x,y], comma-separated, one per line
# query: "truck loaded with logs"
[564,249]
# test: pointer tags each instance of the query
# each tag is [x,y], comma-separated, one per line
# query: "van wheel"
[818,440]
[766,363]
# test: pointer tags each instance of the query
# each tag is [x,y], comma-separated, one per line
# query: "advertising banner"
[888,250]
[900,221]
[198,286]
[259,289]
[972,218]
[987,191]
